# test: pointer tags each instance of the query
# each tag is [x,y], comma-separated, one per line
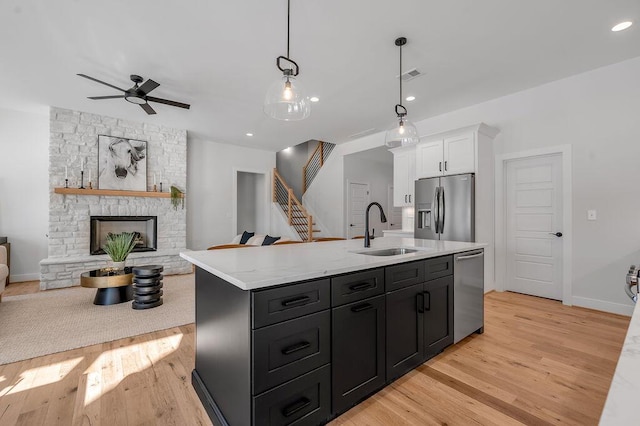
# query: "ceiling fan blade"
[148,86]
[147,108]
[168,102]
[106,97]
[101,82]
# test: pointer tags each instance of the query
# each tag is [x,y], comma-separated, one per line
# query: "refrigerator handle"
[441,208]
[434,208]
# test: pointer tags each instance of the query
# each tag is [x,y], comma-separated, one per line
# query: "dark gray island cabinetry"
[302,352]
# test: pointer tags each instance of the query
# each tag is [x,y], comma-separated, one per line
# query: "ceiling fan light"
[404,134]
[286,100]
[135,99]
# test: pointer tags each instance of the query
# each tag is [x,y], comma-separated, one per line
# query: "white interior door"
[394,215]
[534,197]
[357,204]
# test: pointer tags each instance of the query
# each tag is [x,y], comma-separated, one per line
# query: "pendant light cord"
[288,20]
[400,77]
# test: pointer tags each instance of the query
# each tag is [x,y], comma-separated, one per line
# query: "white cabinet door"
[459,154]
[429,159]
[404,170]
[411,178]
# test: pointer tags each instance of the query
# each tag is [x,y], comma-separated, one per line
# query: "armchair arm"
[3,255]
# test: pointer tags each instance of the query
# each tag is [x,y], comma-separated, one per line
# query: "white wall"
[24,198]
[210,178]
[598,113]
[246,202]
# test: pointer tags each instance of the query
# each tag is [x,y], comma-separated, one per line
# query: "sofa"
[4,269]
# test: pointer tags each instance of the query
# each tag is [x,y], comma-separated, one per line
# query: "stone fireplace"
[74,138]
[145,229]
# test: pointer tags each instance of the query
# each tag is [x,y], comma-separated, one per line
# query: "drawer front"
[404,275]
[438,267]
[289,349]
[285,303]
[302,401]
[358,286]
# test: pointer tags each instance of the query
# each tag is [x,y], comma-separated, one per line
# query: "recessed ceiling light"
[314,99]
[249,134]
[622,26]
[410,98]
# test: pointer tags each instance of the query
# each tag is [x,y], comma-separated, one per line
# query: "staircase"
[315,163]
[297,215]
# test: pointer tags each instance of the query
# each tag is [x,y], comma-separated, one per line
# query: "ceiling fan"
[137,94]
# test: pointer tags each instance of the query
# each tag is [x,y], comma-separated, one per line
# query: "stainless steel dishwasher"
[468,294]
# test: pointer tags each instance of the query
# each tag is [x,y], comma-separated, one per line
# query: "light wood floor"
[537,363]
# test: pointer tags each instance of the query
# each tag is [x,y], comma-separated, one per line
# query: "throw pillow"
[245,237]
[269,240]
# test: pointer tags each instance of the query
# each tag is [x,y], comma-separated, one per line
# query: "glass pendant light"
[285,98]
[405,133]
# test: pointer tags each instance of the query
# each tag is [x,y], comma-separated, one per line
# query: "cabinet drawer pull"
[303,300]
[445,166]
[428,307]
[420,303]
[291,409]
[360,286]
[295,348]
[362,307]
[440,165]
[405,198]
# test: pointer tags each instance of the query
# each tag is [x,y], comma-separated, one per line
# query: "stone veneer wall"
[74,135]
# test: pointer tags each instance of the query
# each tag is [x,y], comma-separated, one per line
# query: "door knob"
[557,234]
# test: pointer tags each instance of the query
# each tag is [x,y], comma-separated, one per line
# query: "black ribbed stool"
[147,286]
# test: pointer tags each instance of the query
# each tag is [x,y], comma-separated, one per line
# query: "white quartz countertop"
[621,407]
[259,267]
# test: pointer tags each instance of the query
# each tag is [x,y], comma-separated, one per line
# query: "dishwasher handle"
[471,256]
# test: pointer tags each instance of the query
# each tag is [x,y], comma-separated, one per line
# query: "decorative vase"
[118,265]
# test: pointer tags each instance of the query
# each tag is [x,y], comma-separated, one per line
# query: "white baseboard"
[614,308]
[24,277]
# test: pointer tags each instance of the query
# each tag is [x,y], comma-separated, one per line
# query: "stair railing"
[315,163]
[297,215]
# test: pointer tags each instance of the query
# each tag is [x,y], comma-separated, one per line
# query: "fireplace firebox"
[145,228]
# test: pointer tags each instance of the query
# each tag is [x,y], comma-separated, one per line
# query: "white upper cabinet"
[460,154]
[429,159]
[449,155]
[404,176]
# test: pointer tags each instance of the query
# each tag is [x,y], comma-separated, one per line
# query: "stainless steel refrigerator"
[445,208]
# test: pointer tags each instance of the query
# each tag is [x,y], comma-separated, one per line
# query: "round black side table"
[147,286]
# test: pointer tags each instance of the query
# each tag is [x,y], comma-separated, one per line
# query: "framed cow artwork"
[122,163]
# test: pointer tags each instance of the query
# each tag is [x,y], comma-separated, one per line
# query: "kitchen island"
[300,333]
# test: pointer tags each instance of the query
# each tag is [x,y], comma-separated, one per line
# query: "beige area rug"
[59,320]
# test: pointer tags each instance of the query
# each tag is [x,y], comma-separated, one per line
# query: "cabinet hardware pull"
[295,348]
[303,300]
[291,409]
[440,165]
[405,198]
[409,197]
[360,286]
[362,307]
[428,308]
[420,303]
[445,166]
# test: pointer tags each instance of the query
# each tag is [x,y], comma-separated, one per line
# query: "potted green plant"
[177,197]
[118,247]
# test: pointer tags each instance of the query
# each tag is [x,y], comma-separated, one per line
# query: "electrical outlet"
[591,215]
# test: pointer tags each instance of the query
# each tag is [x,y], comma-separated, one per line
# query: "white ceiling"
[220,57]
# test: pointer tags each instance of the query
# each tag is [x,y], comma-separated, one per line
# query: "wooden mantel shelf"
[111,192]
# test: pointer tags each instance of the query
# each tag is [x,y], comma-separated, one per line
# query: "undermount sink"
[389,252]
